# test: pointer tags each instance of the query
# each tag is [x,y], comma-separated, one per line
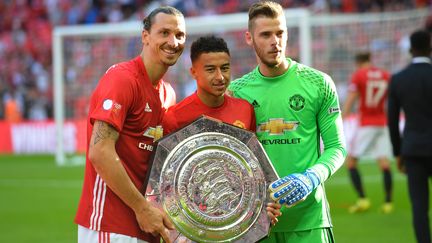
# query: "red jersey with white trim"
[233,111]
[371,84]
[126,99]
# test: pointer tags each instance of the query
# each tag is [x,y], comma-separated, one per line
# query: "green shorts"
[322,235]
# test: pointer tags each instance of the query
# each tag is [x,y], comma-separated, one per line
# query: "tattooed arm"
[107,164]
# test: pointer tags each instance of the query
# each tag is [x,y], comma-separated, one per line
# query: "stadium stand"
[26,43]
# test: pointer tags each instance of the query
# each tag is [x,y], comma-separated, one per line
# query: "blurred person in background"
[294,106]
[371,139]
[411,91]
[124,121]
[26,26]
[36,105]
[12,108]
[3,92]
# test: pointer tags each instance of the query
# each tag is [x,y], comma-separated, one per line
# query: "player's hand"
[154,221]
[400,164]
[273,211]
[294,188]
[229,92]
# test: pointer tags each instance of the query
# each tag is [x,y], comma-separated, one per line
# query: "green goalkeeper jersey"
[293,111]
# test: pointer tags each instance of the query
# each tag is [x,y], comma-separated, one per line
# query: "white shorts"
[86,235]
[370,142]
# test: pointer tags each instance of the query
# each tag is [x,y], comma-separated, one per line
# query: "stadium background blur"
[39,199]
[26,26]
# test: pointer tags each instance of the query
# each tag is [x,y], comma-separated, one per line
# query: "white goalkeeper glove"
[294,188]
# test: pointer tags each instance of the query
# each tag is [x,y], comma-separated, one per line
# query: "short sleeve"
[113,98]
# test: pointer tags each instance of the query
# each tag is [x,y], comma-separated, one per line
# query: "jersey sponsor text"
[280,141]
[145,146]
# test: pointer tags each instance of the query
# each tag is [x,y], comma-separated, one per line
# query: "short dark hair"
[207,44]
[362,57]
[148,21]
[420,41]
[264,8]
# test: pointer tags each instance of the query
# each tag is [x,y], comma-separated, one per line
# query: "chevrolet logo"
[277,126]
[154,133]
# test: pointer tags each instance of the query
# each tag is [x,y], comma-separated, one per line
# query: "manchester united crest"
[297,102]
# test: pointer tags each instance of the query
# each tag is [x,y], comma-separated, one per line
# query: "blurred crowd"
[26,42]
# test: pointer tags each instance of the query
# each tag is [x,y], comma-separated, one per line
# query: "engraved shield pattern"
[211,184]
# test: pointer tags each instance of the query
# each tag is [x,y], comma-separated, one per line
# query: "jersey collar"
[421,60]
[290,66]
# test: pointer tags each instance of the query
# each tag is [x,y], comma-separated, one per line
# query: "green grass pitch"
[38,202]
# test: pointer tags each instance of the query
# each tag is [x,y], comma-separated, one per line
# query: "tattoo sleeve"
[103,130]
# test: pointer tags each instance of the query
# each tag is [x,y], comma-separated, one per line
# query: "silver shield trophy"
[211,179]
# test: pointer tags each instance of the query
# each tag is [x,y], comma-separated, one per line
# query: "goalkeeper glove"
[294,188]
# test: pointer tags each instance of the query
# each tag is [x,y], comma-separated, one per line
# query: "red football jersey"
[371,84]
[233,111]
[126,99]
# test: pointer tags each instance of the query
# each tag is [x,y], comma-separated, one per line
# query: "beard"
[269,62]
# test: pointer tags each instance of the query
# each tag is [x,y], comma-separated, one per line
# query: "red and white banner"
[40,137]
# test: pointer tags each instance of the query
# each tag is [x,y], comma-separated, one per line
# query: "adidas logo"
[147,108]
[255,104]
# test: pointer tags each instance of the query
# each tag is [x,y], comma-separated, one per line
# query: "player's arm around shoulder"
[107,164]
[237,85]
[229,93]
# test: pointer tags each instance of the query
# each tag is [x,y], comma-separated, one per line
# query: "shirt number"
[375,90]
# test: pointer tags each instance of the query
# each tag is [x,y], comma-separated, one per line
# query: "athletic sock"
[387,185]
[356,180]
